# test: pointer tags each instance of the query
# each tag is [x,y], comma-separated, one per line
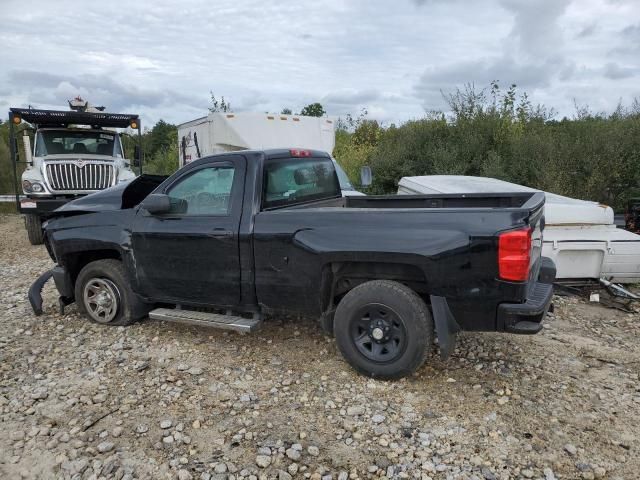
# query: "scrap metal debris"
[604,292]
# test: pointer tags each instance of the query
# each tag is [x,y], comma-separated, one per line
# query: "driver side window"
[205,192]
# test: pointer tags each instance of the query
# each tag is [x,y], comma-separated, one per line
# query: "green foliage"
[163,162]
[501,135]
[6,166]
[161,149]
[286,111]
[313,110]
[219,105]
[356,139]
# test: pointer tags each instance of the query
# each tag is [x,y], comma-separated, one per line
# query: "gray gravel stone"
[355,410]
[377,418]
[142,429]
[293,454]
[184,474]
[105,447]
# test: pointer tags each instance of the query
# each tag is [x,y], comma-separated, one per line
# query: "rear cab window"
[292,181]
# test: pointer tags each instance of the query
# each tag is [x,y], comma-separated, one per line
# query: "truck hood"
[118,197]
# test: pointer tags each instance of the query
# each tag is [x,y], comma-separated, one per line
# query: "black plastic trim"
[63,281]
[446,326]
[35,292]
[518,317]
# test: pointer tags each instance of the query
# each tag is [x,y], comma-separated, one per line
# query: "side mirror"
[26,143]
[137,156]
[156,203]
[365,175]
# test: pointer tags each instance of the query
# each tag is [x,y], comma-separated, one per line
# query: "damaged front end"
[120,197]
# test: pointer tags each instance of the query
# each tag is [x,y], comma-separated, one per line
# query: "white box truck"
[227,132]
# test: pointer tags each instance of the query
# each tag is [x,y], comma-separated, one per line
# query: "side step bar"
[215,320]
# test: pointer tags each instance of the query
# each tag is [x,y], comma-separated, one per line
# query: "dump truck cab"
[74,153]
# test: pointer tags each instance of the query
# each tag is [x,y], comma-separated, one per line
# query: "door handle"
[221,232]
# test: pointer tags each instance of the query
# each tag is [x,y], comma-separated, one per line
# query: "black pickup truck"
[231,237]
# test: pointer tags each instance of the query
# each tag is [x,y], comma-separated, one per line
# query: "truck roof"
[62,118]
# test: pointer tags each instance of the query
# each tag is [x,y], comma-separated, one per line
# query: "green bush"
[593,156]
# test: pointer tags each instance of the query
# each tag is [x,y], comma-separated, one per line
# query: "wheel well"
[78,261]
[340,277]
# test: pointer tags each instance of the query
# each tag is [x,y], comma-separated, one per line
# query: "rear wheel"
[33,224]
[384,329]
[104,296]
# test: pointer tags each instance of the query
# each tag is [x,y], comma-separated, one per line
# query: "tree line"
[487,132]
[495,133]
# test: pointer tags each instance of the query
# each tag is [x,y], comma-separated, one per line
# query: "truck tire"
[33,225]
[384,329]
[104,296]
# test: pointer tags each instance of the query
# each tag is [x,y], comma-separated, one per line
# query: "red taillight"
[514,255]
[296,152]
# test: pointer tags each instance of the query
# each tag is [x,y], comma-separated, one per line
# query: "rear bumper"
[526,318]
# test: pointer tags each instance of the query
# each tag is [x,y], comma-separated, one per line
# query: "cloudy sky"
[161,58]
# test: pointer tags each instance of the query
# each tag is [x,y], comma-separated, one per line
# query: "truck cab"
[75,161]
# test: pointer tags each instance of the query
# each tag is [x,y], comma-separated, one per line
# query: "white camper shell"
[227,132]
[580,236]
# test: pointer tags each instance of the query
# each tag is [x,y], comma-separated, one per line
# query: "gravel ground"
[154,400]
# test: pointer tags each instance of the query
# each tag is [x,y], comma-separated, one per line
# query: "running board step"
[215,320]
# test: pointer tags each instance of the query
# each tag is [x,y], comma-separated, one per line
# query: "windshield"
[77,142]
[345,184]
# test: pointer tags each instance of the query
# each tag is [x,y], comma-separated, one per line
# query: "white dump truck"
[227,132]
[580,236]
[75,153]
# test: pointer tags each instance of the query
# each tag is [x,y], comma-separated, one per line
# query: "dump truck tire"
[33,225]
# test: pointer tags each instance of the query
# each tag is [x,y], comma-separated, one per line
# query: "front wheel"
[33,224]
[384,329]
[104,296]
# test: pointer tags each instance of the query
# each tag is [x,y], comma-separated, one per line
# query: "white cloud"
[161,58]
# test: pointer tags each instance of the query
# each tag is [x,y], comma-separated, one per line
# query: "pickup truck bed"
[448,250]
[258,232]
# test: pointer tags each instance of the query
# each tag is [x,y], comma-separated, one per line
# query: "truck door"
[191,254]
